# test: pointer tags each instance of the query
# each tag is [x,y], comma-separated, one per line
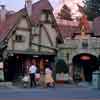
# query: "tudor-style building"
[31,33]
[80,49]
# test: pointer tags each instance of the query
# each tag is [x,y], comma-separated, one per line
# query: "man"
[32,72]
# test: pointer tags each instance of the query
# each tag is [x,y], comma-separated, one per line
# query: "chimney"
[28,6]
[3,13]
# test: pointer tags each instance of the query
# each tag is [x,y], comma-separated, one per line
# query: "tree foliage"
[61,66]
[92,8]
[65,13]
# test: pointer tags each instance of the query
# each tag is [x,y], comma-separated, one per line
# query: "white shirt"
[32,69]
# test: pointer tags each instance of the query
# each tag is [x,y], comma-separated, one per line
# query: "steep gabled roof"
[9,24]
[13,19]
[68,31]
[37,9]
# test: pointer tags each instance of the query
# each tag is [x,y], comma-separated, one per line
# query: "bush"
[61,66]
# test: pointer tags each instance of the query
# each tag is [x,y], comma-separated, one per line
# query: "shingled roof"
[10,22]
[12,19]
[71,28]
[37,9]
[96,24]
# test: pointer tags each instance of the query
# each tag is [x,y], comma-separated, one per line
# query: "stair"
[5,84]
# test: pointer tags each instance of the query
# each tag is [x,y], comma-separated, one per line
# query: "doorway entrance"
[84,65]
[16,65]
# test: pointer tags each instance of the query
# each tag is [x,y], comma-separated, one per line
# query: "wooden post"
[71,72]
[42,73]
[82,74]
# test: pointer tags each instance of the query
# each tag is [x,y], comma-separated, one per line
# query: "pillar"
[71,72]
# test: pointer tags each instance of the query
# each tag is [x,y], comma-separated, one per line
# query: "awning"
[30,52]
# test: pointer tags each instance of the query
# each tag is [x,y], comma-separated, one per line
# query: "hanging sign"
[85,57]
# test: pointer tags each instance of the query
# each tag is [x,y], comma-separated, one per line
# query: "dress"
[48,76]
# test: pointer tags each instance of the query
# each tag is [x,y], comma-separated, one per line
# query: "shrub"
[61,66]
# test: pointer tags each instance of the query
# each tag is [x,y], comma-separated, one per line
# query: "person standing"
[32,72]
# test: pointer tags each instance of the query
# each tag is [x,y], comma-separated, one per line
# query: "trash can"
[96,79]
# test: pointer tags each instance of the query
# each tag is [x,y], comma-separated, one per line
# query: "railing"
[70,43]
[76,43]
[95,43]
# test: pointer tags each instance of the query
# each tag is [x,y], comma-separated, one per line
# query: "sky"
[57,4]
[18,4]
[72,4]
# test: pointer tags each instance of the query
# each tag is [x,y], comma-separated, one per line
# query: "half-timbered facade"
[31,34]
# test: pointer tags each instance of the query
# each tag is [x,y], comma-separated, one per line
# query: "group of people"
[34,75]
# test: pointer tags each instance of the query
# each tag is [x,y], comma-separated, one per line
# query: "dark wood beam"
[47,35]
[23,29]
[40,31]
[40,45]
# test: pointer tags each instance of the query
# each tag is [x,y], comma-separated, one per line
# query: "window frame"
[19,38]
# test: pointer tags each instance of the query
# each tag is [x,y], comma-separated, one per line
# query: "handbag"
[37,76]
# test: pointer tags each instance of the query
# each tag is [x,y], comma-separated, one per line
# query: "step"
[5,84]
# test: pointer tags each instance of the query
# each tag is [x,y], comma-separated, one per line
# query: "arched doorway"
[85,64]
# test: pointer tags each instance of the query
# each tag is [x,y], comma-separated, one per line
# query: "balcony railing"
[76,43]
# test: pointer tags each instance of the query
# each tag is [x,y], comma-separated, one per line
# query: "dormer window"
[46,16]
[35,29]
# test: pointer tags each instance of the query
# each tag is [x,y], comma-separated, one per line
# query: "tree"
[92,8]
[81,9]
[65,13]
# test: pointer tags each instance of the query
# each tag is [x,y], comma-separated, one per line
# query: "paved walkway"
[61,92]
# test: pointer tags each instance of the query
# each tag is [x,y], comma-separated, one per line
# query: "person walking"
[32,72]
[48,77]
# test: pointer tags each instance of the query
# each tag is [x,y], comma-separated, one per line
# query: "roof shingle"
[96,25]
[12,19]
[70,28]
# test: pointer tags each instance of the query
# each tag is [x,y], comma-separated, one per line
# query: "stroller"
[26,80]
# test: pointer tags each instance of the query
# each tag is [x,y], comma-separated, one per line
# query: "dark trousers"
[32,80]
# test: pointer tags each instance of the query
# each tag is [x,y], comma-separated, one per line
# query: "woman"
[48,77]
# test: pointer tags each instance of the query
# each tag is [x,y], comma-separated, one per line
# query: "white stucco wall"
[22,45]
[23,23]
[73,47]
[52,33]
[10,44]
[44,38]
[21,29]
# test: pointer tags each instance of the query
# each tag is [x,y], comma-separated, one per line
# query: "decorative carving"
[84,25]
